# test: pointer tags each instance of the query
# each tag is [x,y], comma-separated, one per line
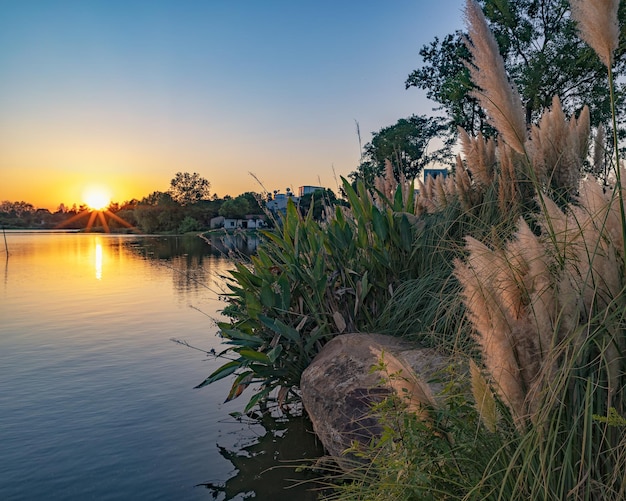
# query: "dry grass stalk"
[599,152]
[425,202]
[598,26]
[492,312]
[464,185]
[485,402]
[480,155]
[526,298]
[581,127]
[436,193]
[386,184]
[508,193]
[497,94]
[558,147]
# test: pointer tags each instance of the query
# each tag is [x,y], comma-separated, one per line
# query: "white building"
[250,222]
[279,201]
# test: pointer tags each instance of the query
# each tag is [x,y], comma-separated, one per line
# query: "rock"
[339,388]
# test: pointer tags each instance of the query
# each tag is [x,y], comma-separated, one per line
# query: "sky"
[119,96]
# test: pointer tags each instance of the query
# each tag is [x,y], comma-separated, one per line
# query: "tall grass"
[545,305]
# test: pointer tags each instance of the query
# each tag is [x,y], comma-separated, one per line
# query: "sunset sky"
[124,94]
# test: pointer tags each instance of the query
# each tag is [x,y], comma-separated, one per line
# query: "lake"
[98,402]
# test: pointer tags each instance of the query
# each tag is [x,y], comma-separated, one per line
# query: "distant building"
[278,203]
[435,172]
[305,190]
[250,222]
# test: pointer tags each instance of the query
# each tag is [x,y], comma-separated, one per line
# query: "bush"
[189,224]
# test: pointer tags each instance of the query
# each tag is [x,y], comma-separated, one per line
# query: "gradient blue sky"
[124,94]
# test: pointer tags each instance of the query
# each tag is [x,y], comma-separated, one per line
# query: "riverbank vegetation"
[514,265]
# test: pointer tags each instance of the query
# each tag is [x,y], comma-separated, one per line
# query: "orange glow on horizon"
[48,189]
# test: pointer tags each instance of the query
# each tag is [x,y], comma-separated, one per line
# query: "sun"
[97,197]
[97,203]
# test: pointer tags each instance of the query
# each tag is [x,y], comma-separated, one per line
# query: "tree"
[17,209]
[543,56]
[158,198]
[405,144]
[235,208]
[157,212]
[189,224]
[187,189]
[321,200]
[253,202]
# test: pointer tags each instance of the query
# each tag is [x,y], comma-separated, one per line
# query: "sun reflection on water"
[98,260]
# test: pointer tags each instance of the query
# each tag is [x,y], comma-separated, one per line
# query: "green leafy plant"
[309,281]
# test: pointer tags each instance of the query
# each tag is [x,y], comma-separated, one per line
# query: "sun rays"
[96,211]
[95,217]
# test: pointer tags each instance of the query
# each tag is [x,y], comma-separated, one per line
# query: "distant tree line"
[185,207]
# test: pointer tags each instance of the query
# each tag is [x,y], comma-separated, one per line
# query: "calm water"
[97,402]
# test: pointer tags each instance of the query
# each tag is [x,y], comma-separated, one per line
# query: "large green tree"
[253,202]
[542,53]
[236,208]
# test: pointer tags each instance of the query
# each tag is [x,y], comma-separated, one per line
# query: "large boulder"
[339,388]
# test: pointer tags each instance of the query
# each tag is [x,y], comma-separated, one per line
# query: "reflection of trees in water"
[237,244]
[193,272]
[217,245]
[195,261]
[267,468]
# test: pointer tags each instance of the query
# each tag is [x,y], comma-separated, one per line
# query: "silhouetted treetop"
[187,189]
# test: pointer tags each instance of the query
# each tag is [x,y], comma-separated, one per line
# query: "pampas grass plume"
[598,26]
[497,95]
[480,155]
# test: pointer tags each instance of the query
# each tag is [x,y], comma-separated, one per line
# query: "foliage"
[277,324]
[405,144]
[236,208]
[536,302]
[17,214]
[310,281]
[542,300]
[320,202]
[16,209]
[254,202]
[187,189]
[442,457]
[189,224]
[158,198]
[547,311]
[157,212]
[543,56]
[158,218]
[425,307]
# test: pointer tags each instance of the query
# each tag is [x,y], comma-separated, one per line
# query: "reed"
[548,306]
